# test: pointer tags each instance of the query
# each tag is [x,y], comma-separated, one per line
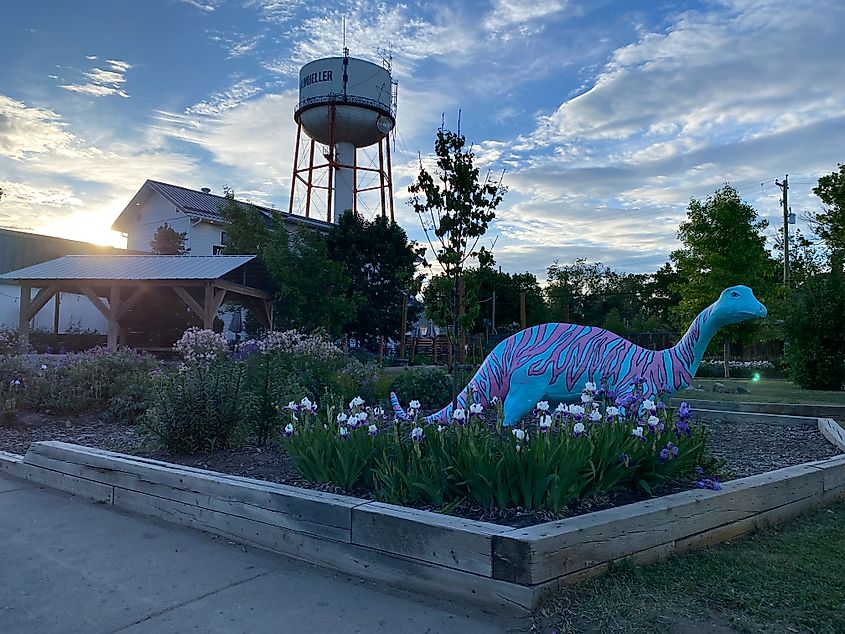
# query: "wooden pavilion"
[116,284]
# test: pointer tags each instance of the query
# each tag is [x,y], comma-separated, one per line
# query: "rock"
[742,390]
[722,388]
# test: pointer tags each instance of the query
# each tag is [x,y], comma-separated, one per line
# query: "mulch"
[748,449]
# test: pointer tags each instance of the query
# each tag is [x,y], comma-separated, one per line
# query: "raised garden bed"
[497,567]
[748,449]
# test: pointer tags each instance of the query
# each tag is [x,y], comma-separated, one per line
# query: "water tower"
[345,104]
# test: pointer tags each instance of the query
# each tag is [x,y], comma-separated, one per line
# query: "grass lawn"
[764,390]
[785,579]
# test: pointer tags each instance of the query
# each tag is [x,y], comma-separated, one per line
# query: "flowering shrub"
[199,346]
[287,365]
[749,365]
[316,347]
[72,383]
[199,408]
[8,341]
[563,454]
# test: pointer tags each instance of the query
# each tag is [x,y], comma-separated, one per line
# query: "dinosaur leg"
[520,400]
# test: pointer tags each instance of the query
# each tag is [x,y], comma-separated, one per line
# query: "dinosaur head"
[736,304]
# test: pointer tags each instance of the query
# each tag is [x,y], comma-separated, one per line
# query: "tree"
[247,228]
[830,224]
[312,289]
[455,210]
[480,285]
[380,263]
[815,350]
[724,246]
[587,292]
[168,241]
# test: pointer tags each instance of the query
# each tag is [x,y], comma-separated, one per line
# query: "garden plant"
[559,456]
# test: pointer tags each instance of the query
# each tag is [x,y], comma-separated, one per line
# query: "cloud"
[25,196]
[506,13]
[732,95]
[26,131]
[376,27]
[103,83]
[50,173]
[253,136]
[733,73]
[226,100]
[208,6]
[275,11]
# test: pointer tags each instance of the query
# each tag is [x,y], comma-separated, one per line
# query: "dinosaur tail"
[397,408]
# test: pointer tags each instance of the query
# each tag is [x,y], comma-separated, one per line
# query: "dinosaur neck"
[690,349]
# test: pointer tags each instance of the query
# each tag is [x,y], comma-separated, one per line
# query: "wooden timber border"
[498,568]
[819,410]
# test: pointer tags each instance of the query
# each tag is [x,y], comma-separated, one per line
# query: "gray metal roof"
[207,206]
[132,267]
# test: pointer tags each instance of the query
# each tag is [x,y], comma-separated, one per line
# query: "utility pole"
[785,203]
[493,325]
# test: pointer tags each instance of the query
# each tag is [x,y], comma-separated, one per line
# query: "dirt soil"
[748,450]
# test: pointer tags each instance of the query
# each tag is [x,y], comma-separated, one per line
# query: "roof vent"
[206,190]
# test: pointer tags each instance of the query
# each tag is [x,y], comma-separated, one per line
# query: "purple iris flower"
[682,428]
[664,455]
[625,400]
[684,411]
[709,483]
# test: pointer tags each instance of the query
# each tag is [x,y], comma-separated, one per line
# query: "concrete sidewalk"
[67,565]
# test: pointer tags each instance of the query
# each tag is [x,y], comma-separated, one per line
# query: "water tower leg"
[381,176]
[389,177]
[295,165]
[355,182]
[344,182]
[310,180]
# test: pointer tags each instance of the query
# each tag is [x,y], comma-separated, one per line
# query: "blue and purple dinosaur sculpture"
[555,361]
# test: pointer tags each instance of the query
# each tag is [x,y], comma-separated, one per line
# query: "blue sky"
[607,116]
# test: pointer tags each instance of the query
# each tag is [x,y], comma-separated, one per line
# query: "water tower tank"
[345,103]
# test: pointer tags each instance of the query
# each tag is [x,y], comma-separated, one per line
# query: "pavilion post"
[209,308]
[114,312]
[23,319]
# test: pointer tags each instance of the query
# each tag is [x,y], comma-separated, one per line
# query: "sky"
[605,116]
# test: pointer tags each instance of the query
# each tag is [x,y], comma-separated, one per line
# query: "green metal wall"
[19,249]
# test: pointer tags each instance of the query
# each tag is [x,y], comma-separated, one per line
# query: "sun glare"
[90,226]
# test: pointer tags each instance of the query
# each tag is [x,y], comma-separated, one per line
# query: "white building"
[196,213]
[19,249]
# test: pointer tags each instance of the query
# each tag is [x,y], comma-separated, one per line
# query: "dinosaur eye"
[734,294]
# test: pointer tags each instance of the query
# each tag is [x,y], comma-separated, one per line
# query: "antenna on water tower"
[344,104]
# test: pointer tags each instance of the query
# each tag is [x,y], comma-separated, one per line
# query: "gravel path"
[755,448]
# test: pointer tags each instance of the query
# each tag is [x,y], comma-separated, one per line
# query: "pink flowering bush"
[201,346]
[314,346]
